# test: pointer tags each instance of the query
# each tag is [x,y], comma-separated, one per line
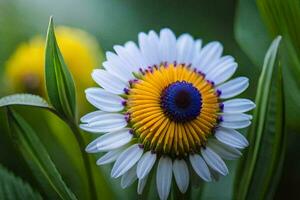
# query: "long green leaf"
[250,32]
[53,130]
[266,135]
[79,165]
[272,150]
[59,82]
[14,188]
[37,157]
[24,99]
[61,91]
[282,18]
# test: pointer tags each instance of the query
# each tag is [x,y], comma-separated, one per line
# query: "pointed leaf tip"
[59,82]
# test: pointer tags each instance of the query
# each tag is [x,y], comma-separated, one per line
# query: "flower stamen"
[173,109]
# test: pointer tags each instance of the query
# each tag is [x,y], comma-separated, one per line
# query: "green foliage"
[24,99]
[14,188]
[250,32]
[59,82]
[224,185]
[37,157]
[272,147]
[61,91]
[62,95]
[81,163]
[261,165]
[282,18]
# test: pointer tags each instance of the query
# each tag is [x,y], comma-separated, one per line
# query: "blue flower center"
[181,101]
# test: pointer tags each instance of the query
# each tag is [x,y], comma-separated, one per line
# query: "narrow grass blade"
[37,157]
[261,164]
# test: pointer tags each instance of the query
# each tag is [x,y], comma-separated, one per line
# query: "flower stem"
[85,159]
[73,126]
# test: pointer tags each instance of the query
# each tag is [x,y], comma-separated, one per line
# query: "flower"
[25,67]
[162,102]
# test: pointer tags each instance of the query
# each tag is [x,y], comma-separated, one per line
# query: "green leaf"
[282,18]
[250,32]
[14,188]
[37,157]
[53,129]
[59,82]
[24,99]
[269,164]
[255,178]
[96,185]
[253,37]
[221,189]
[29,100]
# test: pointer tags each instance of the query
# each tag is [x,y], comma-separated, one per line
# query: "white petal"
[121,60]
[104,100]
[197,46]
[181,174]
[145,164]
[214,161]
[200,167]
[126,160]
[101,122]
[226,152]
[235,121]
[134,51]
[222,71]
[164,177]
[128,178]
[235,124]
[110,141]
[209,53]
[224,60]
[149,45]
[185,49]
[126,57]
[167,45]
[233,87]
[110,156]
[231,137]
[91,117]
[238,105]
[108,81]
[235,117]
[141,184]
[117,67]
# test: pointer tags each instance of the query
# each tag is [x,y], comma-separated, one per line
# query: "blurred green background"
[236,24]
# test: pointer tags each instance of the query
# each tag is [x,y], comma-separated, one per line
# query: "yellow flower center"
[172,123]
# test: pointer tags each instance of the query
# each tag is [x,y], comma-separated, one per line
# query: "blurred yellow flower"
[25,68]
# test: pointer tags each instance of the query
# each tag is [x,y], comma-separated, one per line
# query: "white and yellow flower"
[165,101]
